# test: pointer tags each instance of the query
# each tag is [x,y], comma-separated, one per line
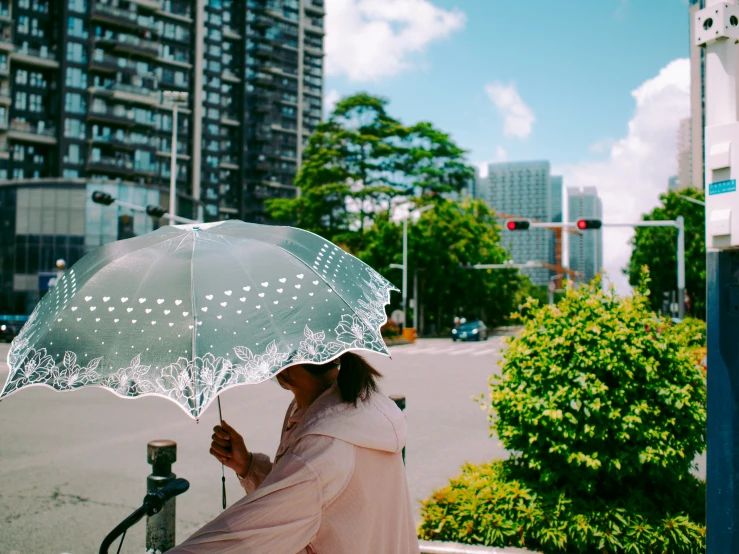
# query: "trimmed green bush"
[599,392]
[603,406]
[491,504]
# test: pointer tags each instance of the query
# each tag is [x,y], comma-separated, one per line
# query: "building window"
[20,100]
[73,154]
[22,27]
[70,174]
[75,103]
[19,152]
[76,52]
[76,78]
[79,6]
[18,173]
[35,103]
[37,80]
[76,28]
[74,128]
[21,77]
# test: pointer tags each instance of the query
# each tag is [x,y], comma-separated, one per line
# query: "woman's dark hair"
[357,378]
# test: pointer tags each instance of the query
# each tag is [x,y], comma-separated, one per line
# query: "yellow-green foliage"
[491,504]
[603,406]
[599,392]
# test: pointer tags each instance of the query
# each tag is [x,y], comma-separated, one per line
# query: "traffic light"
[102,198]
[589,223]
[518,224]
[155,211]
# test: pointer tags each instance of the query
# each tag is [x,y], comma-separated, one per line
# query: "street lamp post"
[178,99]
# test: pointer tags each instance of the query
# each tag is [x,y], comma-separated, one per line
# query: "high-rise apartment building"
[685,154]
[586,249]
[82,83]
[697,103]
[522,189]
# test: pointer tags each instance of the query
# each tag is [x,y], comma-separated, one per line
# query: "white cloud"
[636,170]
[330,100]
[370,39]
[517,116]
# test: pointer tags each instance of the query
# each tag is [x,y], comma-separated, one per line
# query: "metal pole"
[173,166]
[160,528]
[415,300]
[680,267]
[405,267]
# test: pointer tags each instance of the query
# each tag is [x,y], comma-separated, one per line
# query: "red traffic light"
[518,224]
[589,223]
[103,198]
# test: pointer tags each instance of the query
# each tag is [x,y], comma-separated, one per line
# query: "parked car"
[10,326]
[472,330]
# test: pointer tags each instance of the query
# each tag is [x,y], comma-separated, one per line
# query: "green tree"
[443,239]
[359,161]
[656,248]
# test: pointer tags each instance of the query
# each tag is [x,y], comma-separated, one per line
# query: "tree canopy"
[656,248]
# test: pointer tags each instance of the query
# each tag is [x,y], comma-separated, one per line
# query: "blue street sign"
[720,187]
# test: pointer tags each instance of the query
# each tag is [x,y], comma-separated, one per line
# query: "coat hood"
[376,423]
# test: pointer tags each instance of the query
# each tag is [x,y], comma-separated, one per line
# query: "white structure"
[586,249]
[685,154]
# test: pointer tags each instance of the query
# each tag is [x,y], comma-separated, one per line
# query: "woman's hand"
[228,448]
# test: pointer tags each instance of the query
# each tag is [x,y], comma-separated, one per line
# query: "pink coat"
[337,485]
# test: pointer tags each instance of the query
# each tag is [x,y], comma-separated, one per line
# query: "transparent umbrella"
[189,311]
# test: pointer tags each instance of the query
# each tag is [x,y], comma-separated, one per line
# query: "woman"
[337,483]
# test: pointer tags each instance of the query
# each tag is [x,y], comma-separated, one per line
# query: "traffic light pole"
[106,200]
[716,28]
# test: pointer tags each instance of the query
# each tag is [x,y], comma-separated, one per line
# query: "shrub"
[492,504]
[599,393]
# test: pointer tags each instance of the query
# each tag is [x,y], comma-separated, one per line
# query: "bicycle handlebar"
[153,503]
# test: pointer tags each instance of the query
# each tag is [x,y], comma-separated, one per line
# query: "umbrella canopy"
[188,311]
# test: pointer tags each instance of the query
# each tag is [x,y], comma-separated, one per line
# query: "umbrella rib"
[194,311]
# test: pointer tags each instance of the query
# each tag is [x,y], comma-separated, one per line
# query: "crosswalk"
[446,349]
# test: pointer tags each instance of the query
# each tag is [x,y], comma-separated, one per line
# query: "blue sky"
[584,83]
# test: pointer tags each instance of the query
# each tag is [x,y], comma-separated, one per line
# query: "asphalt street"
[72,465]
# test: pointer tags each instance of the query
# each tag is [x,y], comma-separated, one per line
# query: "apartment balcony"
[105,63]
[109,164]
[260,22]
[229,76]
[261,107]
[227,162]
[5,95]
[5,11]
[119,116]
[39,133]
[124,92]
[314,29]
[152,5]
[230,33]
[230,118]
[4,69]
[121,142]
[315,7]
[6,39]
[128,44]
[114,16]
[40,57]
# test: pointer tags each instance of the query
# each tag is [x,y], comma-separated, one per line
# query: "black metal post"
[722,472]
[400,403]
[160,528]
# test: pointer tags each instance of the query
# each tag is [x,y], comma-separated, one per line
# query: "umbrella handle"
[223,468]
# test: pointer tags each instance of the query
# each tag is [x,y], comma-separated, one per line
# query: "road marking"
[486,352]
[460,351]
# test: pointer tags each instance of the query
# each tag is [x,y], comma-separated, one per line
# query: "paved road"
[72,465]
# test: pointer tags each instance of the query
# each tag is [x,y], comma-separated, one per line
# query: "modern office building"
[697,103]
[673,183]
[82,87]
[522,189]
[555,214]
[44,220]
[586,249]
